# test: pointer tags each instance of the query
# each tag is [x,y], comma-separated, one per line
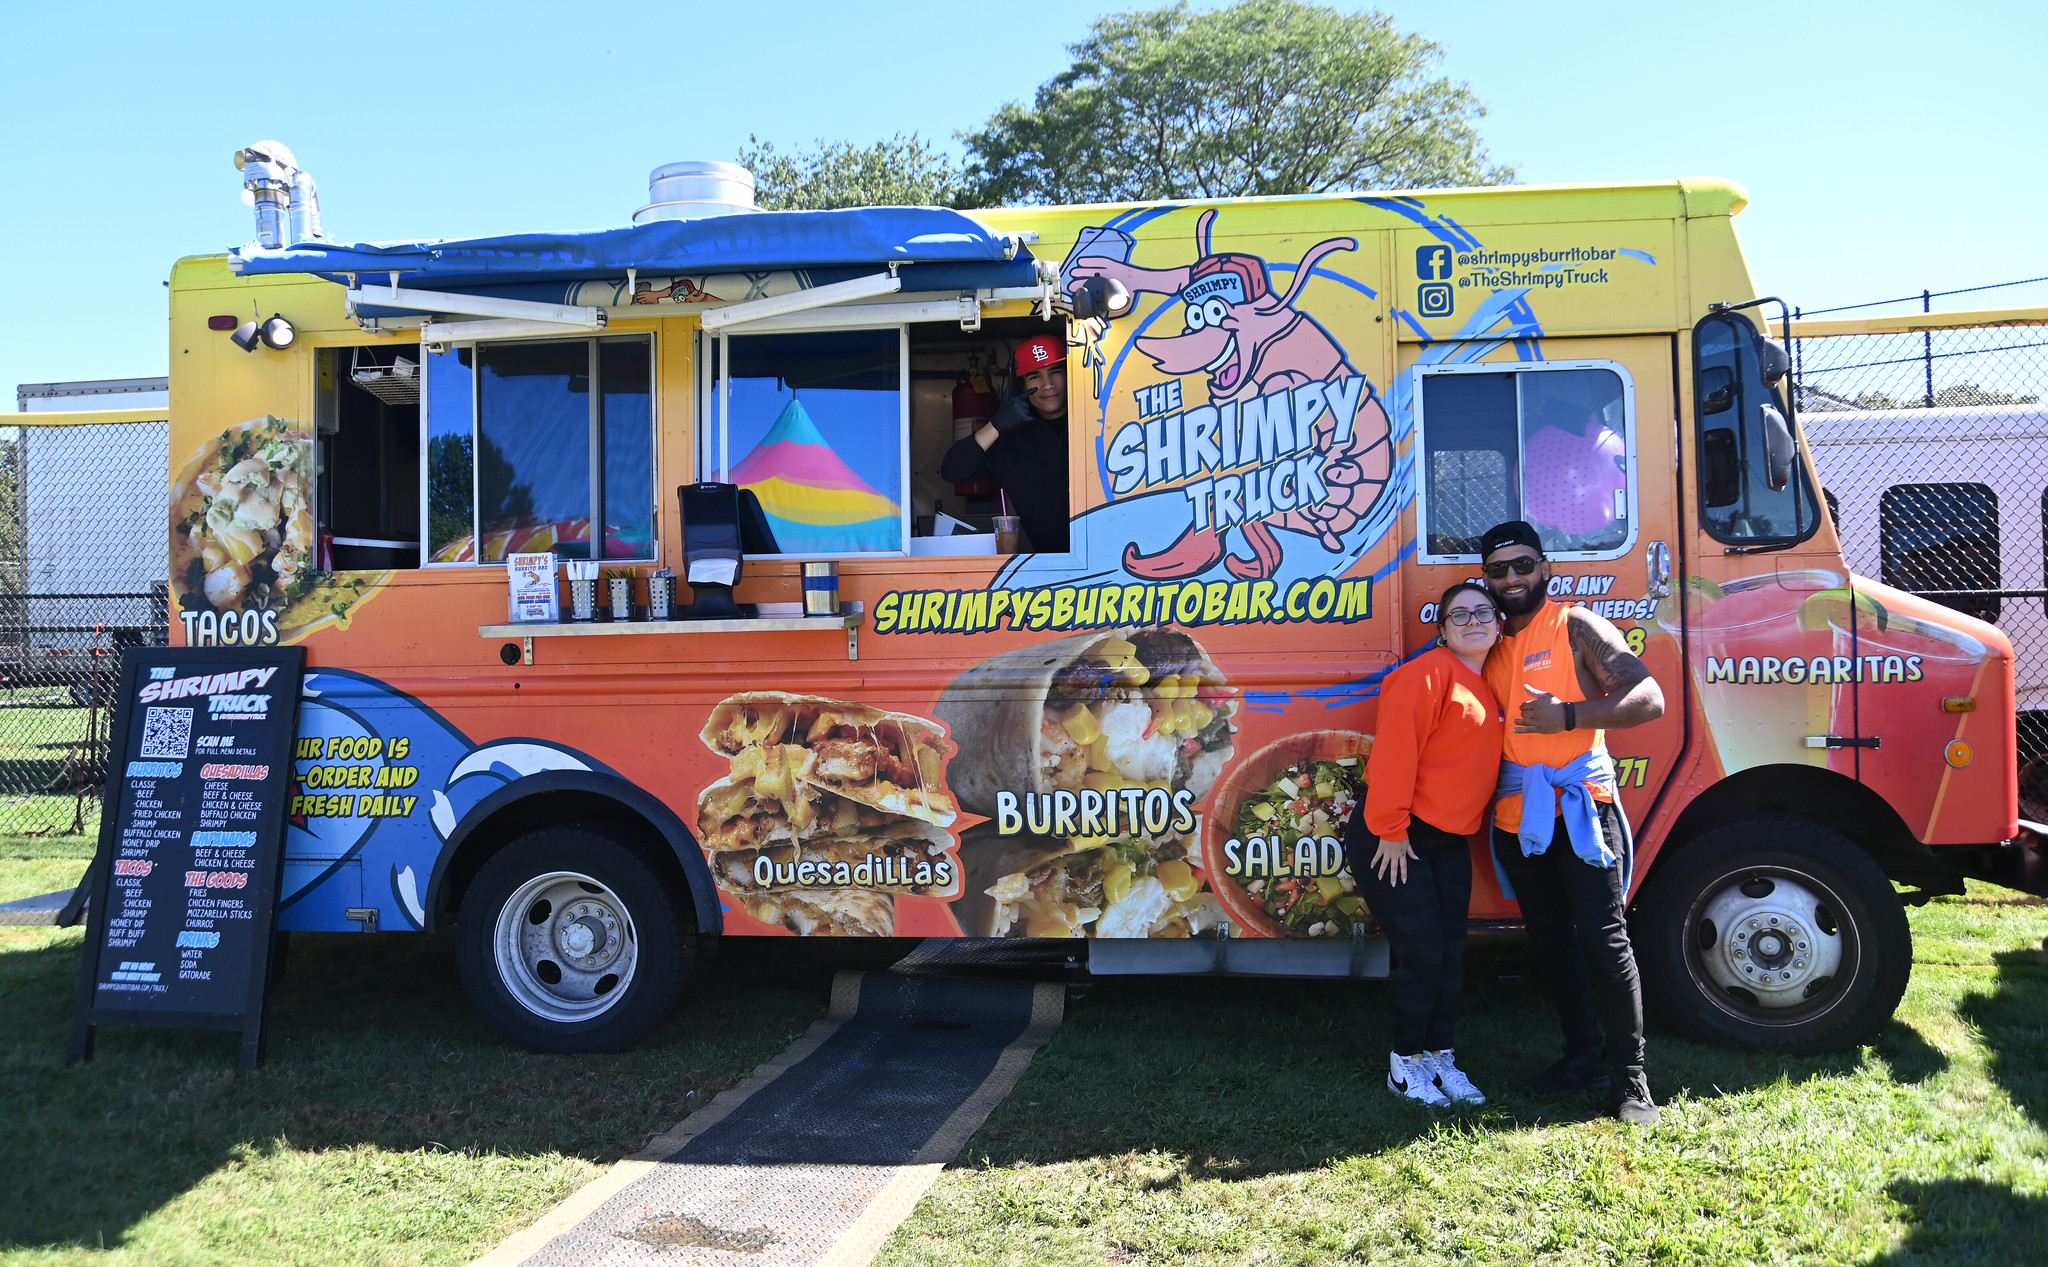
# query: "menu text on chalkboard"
[184,884]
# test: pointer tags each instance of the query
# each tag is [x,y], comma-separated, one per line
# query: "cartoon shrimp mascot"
[1251,343]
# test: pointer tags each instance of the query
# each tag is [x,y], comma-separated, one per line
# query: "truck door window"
[1941,537]
[1552,443]
[1753,490]
[815,424]
[544,458]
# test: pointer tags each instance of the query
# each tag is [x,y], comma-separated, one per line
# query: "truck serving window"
[816,425]
[1941,537]
[1754,491]
[523,455]
[1552,443]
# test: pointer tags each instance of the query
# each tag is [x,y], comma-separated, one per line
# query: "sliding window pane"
[451,458]
[817,432]
[627,370]
[533,448]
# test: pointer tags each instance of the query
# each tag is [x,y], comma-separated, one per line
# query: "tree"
[1260,97]
[903,171]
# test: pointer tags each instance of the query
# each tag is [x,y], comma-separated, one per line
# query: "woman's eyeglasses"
[1522,567]
[1470,615]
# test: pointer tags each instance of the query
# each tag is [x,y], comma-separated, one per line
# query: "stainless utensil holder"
[583,600]
[620,590]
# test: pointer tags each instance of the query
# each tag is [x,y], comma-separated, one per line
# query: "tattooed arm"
[1619,690]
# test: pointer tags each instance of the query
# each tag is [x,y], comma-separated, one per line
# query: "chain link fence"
[1932,447]
[83,562]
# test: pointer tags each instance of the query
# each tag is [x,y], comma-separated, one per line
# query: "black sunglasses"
[1522,567]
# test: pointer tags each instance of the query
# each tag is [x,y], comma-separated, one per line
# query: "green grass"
[387,1126]
[1170,1121]
[42,864]
[1220,1121]
[37,768]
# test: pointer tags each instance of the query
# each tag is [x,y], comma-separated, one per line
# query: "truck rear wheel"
[568,941]
[1774,932]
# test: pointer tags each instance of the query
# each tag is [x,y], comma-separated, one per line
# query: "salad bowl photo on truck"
[774,677]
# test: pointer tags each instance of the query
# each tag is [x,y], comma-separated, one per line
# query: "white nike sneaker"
[1449,1078]
[1409,1076]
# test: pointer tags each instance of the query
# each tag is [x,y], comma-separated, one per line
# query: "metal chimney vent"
[696,188]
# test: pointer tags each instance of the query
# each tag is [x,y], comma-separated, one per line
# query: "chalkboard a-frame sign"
[185,882]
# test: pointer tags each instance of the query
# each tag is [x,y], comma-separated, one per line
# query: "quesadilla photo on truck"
[1089,716]
[829,809]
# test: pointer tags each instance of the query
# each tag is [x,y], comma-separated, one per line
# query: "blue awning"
[859,239]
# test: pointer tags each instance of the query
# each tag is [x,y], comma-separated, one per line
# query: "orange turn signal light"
[1958,703]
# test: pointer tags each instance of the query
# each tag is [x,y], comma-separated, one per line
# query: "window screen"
[1941,537]
[1554,446]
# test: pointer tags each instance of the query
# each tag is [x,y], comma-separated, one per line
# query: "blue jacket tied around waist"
[1574,804]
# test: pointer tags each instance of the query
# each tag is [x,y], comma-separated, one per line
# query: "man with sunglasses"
[1567,677]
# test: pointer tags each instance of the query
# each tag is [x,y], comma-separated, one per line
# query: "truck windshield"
[1753,489]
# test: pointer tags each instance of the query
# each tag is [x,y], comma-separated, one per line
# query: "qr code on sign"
[167,732]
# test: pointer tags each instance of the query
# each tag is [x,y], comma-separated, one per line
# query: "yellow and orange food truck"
[1289,421]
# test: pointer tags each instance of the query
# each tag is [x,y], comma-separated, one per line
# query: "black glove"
[1012,413]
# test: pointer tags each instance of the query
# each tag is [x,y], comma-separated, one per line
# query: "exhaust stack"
[696,188]
[286,199]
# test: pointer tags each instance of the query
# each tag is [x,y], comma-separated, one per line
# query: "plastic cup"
[1009,528]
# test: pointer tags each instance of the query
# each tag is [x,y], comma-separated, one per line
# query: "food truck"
[1289,421]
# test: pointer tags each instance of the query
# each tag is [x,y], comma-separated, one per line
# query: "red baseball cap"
[1038,352]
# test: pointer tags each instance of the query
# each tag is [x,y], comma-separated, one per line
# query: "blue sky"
[1886,146]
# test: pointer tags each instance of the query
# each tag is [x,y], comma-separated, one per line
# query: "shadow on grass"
[2013,1020]
[1245,1077]
[1959,1221]
[371,1042]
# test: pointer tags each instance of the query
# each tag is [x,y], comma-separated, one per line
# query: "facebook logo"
[1435,299]
[1433,263]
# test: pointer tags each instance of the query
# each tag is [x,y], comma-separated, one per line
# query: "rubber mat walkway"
[815,1159]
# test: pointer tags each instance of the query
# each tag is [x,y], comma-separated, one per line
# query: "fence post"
[1927,347]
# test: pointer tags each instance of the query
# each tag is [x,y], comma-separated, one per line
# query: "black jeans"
[1424,922]
[1579,930]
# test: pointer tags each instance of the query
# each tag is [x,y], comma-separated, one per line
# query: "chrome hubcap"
[565,946]
[1770,940]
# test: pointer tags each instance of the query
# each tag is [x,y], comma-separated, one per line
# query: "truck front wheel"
[1774,932]
[568,941]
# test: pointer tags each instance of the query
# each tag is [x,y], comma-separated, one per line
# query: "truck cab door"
[1576,436]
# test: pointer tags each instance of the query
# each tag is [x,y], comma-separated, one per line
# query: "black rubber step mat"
[818,1156]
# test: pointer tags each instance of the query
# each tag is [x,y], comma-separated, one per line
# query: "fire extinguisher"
[973,405]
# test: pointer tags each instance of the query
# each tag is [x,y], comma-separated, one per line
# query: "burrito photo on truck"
[828,665]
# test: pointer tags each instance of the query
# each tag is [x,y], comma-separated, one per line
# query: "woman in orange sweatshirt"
[1429,780]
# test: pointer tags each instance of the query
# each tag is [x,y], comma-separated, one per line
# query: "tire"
[568,941]
[1774,933]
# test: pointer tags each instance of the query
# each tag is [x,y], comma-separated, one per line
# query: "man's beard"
[1533,598]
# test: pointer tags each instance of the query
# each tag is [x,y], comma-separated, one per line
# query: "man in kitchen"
[1023,447]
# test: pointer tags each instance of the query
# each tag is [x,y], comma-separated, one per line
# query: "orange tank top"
[1539,656]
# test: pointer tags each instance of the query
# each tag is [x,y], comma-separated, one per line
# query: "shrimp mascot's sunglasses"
[1521,567]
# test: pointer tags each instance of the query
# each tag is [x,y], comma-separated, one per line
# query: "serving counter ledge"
[849,619]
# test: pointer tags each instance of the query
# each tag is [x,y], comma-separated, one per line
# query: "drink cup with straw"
[1008,526]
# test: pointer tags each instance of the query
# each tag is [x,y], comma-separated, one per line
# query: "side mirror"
[1717,390]
[1720,468]
[1778,449]
[1101,297]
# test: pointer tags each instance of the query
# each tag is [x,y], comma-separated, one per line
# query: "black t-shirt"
[1030,462]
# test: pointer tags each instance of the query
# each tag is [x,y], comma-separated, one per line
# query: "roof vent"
[695,189]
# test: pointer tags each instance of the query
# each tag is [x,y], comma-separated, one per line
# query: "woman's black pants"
[1423,920]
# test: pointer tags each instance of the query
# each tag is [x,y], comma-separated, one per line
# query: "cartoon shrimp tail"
[1265,560]
[1193,552]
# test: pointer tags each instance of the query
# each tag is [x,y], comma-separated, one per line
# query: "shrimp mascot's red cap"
[1038,352]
